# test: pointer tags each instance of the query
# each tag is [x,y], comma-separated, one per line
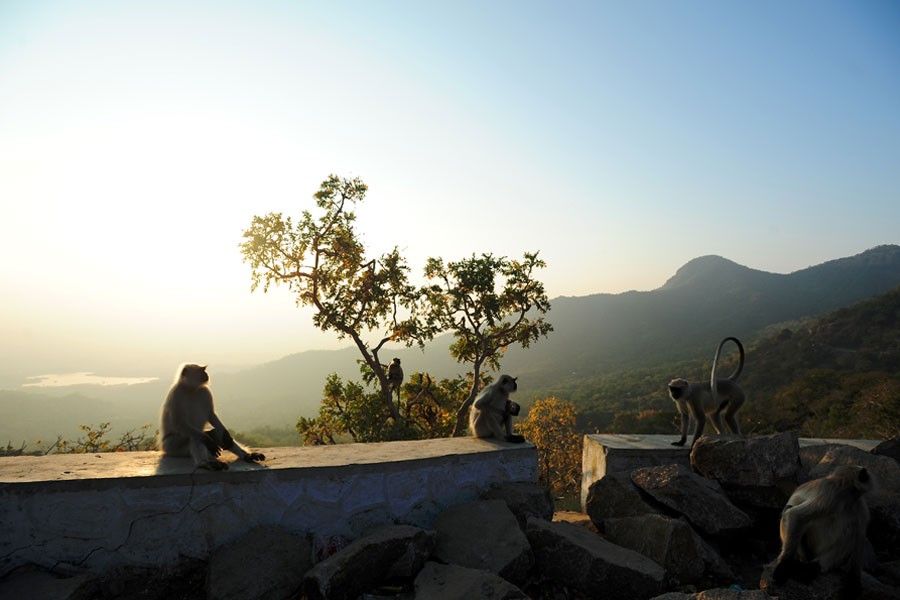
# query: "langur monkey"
[187,410]
[823,527]
[395,376]
[491,414]
[697,400]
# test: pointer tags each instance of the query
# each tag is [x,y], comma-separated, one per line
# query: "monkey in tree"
[395,376]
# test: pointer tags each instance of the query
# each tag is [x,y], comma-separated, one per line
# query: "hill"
[836,375]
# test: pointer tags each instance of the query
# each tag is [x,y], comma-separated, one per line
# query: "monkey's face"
[194,375]
[508,384]
[677,388]
[396,361]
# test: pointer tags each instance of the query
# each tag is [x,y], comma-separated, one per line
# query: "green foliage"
[489,303]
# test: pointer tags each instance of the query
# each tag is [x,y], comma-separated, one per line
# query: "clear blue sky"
[619,139]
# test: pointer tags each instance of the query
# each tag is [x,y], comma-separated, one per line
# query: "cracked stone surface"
[91,512]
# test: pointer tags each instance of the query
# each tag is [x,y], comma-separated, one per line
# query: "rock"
[582,560]
[885,470]
[827,586]
[184,580]
[884,525]
[810,457]
[729,594]
[758,461]
[30,582]
[615,495]
[701,500]
[717,594]
[872,589]
[575,518]
[266,563]
[672,543]
[483,535]
[889,448]
[366,561]
[452,582]
[760,471]
[524,500]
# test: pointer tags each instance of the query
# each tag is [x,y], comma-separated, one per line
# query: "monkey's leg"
[700,418]
[510,436]
[202,456]
[221,435]
[731,420]
[176,445]
[794,520]
[685,420]
[716,420]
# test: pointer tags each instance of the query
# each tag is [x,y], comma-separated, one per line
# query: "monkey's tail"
[713,388]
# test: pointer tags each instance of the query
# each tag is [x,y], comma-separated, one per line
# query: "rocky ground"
[667,532]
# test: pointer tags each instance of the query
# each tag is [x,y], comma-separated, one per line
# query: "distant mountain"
[706,299]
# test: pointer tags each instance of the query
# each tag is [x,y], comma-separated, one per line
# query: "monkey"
[187,410]
[823,527]
[491,414]
[395,377]
[697,400]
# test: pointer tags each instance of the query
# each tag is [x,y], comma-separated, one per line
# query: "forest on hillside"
[836,375]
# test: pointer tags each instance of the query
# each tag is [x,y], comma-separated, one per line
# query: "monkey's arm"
[699,418]
[231,445]
[683,414]
[484,399]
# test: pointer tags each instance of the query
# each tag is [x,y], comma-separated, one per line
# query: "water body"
[67,379]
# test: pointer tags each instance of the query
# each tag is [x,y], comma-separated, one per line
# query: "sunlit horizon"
[137,140]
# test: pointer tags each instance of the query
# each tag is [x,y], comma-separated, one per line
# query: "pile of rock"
[660,532]
[716,523]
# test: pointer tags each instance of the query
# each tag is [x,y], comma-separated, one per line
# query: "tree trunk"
[375,365]
[462,414]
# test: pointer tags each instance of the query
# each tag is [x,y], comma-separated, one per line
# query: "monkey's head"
[857,477]
[396,361]
[508,383]
[677,388]
[193,375]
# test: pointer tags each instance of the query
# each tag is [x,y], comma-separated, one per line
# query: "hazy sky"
[137,140]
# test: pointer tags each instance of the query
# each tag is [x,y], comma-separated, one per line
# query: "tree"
[322,260]
[489,303]
[551,426]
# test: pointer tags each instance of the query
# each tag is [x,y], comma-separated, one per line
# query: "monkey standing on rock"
[697,400]
[491,414]
[187,410]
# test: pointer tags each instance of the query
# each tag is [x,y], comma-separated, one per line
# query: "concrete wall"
[94,511]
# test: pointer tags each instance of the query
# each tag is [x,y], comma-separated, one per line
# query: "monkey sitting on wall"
[823,527]
[697,400]
[491,414]
[187,410]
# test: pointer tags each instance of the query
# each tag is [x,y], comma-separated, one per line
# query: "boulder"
[889,448]
[524,499]
[30,582]
[672,543]
[884,525]
[700,500]
[483,535]
[717,594]
[452,582]
[615,495]
[758,461]
[266,563]
[366,561]
[583,560]
[810,456]
[761,471]
[885,470]
[575,518]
